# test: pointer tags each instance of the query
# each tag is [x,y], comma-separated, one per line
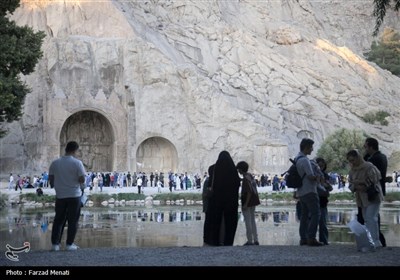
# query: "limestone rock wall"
[250,77]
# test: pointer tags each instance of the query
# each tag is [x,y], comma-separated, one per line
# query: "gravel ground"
[332,255]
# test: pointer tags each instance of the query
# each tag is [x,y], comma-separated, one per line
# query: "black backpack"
[293,178]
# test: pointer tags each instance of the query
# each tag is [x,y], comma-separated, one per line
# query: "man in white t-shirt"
[11,182]
[66,176]
[139,184]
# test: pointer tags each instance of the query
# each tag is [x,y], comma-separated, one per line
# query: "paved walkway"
[332,255]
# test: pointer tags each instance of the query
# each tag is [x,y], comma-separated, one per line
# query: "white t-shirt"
[66,171]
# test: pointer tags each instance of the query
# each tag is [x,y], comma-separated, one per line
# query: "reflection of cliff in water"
[162,227]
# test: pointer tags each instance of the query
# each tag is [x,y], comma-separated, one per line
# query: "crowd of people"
[366,179]
[221,195]
[22,182]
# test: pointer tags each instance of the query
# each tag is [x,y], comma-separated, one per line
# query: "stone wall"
[186,80]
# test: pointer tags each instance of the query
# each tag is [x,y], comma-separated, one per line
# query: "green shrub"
[177,196]
[369,117]
[279,196]
[128,196]
[41,199]
[341,196]
[392,196]
[336,145]
[3,201]
[98,198]
[379,116]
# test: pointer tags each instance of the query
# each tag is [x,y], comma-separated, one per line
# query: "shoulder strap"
[298,159]
[295,162]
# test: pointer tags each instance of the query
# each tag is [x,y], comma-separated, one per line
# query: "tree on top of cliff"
[386,52]
[380,7]
[19,53]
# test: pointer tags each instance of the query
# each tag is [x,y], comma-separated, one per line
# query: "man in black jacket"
[378,159]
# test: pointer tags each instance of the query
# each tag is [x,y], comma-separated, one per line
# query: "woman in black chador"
[223,204]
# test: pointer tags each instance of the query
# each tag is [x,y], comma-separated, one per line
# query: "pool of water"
[170,226]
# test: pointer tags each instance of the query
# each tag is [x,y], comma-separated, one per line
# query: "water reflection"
[168,226]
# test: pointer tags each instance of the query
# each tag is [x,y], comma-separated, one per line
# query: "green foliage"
[19,53]
[369,117]
[128,196]
[379,13]
[379,116]
[277,196]
[177,196]
[98,198]
[392,196]
[341,196]
[386,52]
[336,146]
[8,6]
[3,200]
[42,199]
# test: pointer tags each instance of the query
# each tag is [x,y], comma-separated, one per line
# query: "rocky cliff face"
[172,83]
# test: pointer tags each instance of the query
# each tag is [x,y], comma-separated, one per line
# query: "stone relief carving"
[94,135]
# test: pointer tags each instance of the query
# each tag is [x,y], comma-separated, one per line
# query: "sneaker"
[72,247]
[256,243]
[55,247]
[303,242]
[314,242]
[247,243]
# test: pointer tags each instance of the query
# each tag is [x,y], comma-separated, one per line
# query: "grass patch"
[341,196]
[177,196]
[392,196]
[278,196]
[288,196]
[41,199]
[98,198]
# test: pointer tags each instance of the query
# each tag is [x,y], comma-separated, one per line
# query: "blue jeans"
[370,214]
[310,214]
[67,210]
[323,228]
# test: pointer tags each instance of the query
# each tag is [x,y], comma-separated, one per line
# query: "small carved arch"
[156,154]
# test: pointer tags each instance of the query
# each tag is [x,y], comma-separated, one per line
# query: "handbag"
[372,192]
[84,199]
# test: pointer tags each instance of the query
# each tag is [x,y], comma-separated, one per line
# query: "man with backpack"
[308,196]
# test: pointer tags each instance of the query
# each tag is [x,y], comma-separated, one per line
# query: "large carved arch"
[156,154]
[94,134]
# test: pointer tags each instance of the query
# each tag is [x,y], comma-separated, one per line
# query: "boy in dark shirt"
[250,199]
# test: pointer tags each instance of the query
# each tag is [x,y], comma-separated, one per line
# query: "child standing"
[250,199]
